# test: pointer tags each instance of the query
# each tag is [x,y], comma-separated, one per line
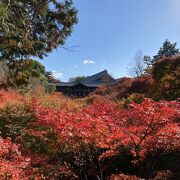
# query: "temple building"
[86,86]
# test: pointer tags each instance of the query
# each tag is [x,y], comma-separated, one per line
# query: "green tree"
[50,77]
[3,71]
[3,12]
[77,79]
[148,61]
[167,50]
[166,73]
[22,72]
[34,27]
[27,75]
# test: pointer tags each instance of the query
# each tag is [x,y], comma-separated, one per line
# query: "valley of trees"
[127,131]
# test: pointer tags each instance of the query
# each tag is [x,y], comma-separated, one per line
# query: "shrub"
[14,119]
[12,164]
[70,138]
[141,85]
[166,73]
[115,91]
[137,98]
[103,130]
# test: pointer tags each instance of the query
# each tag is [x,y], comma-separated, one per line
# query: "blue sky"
[109,33]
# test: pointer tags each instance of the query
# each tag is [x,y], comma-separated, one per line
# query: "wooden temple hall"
[86,86]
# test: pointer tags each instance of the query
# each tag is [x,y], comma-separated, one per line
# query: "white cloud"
[57,74]
[87,61]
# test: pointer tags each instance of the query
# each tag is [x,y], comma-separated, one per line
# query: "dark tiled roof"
[95,80]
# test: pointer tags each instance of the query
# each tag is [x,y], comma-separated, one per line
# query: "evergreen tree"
[34,27]
[21,73]
[148,60]
[77,79]
[167,50]
[166,74]
[50,77]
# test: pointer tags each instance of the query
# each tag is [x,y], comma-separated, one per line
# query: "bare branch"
[137,67]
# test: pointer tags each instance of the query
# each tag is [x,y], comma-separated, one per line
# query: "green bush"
[14,119]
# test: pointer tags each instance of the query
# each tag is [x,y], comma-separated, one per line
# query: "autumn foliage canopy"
[85,137]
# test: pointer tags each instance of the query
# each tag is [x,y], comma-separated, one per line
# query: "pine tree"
[167,50]
[34,27]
